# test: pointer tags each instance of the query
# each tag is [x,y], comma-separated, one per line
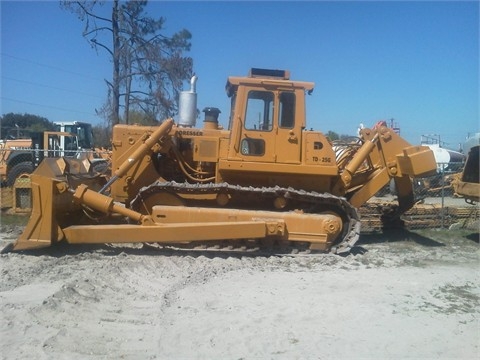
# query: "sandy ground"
[404,297]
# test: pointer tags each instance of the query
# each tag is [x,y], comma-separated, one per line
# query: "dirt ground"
[402,296]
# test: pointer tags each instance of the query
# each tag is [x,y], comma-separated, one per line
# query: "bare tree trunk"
[148,67]
[128,89]
[116,65]
[127,100]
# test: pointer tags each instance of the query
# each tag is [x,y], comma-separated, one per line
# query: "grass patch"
[14,219]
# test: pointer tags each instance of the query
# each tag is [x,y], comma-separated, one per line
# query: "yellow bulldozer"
[265,180]
[467,183]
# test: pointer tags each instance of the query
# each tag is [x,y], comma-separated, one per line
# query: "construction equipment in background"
[20,156]
[21,153]
[84,146]
[265,180]
[467,184]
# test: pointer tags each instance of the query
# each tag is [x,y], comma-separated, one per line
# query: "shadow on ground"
[475,237]
[399,235]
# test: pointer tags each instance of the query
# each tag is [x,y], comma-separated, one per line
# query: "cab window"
[259,113]
[287,110]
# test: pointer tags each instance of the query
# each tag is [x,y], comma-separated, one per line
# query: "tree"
[139,117]
[148,67]
[332,135]
[101,136]
[18,125]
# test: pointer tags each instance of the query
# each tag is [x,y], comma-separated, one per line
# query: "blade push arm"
[139,153]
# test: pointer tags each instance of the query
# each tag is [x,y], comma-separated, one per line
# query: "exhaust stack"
[188,105]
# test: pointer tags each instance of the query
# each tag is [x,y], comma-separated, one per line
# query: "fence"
[436,204]
[436,207]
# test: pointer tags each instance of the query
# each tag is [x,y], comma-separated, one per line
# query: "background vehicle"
[83,135]
[467,183]
[265,177]
[20,156]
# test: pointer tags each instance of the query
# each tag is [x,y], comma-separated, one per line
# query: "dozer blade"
[52,206]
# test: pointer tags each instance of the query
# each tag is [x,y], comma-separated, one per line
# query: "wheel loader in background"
[265,180]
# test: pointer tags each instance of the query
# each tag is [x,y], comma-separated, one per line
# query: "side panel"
[206,149]
[318,151]
[311,178]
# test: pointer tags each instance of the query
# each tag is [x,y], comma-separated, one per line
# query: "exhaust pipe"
[188,105]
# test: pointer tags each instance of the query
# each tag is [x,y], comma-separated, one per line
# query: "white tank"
[187,112]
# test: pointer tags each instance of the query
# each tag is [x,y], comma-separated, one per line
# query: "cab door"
[288,129]
[272,128]
[257,140]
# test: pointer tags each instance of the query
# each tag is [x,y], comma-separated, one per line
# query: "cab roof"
[267,78]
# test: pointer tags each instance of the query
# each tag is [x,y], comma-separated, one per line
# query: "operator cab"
[83,138]
[267,116]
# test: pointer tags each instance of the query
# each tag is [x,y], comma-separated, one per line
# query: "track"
[306,200]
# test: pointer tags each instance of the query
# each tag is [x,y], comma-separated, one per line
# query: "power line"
[48,86]
[47,106]
[50,67]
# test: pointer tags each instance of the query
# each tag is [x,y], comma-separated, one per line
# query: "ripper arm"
[383,156]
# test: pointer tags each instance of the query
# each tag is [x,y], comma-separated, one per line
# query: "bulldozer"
[265,180]
[467,183]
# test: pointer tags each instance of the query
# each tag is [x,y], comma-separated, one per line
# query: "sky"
[415,62]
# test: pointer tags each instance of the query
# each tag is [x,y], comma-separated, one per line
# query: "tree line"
[18,126]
